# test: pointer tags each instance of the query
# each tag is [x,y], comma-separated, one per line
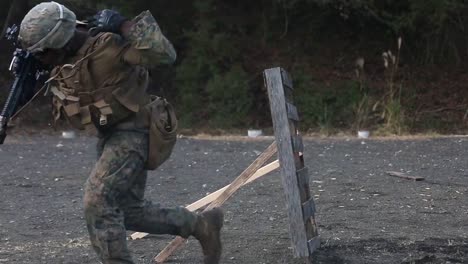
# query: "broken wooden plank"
[287,80]
[138,235]
[281,113]
[313,243]
[303,177]
[291,110]
[212,196]
[232,188]
[308,209]
[404,176]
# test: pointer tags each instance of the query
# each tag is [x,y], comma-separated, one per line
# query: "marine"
[99,82]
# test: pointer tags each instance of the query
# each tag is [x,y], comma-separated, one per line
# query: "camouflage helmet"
[48,25]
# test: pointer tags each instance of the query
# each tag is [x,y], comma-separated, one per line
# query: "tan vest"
[97,87]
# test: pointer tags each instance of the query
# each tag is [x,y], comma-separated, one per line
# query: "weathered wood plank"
[286,79]
[304,190]
[298,144]
[212,196]
[303,177]
[232,188]
[273,79]
[308,209]
[292,112]
[245,175]
[314,243]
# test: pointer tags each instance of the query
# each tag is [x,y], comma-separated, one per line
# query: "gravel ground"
[364,215]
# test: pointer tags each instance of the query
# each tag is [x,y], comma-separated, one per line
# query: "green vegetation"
[332,48]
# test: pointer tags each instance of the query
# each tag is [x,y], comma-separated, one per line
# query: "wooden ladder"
[295,179]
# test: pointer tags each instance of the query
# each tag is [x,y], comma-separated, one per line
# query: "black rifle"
[27,72]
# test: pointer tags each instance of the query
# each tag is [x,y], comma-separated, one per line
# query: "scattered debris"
[404,176]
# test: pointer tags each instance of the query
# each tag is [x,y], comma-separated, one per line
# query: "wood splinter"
[404,176]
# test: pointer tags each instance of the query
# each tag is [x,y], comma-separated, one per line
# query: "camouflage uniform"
[114,198]
[114,192]
[103,85]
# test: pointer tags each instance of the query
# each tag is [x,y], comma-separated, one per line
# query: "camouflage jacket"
[105,82]
[149,45]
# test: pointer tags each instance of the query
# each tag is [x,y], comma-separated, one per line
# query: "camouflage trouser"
[114,200]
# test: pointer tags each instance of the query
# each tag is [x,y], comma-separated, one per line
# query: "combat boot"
[207,231]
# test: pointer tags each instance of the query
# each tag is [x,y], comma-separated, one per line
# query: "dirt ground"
[364,215]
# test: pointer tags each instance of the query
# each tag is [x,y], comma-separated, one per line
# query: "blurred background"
[392,67]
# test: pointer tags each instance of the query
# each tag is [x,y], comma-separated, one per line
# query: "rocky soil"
[364,215]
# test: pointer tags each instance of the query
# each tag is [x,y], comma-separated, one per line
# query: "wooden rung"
[313,244]
[286,78]
[297,143]
[302,177]
[308,209]
[292,112]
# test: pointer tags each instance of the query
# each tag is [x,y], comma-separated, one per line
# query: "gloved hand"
[107,20]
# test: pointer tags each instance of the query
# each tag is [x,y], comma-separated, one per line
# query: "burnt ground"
[364,215]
